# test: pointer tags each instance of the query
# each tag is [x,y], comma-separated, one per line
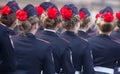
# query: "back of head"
[8,13]
[118,19]
[51,18]
[106,22]
[107,9]
[27,18]
[84,17]
[69,16]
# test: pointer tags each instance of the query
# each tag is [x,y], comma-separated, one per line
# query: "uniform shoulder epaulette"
[83,39]
[117,41]
[64,39]
[43,40]
[14,35]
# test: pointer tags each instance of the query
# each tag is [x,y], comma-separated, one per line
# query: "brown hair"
[106,27]
[118,24]
[70,23]
[50,23]
[8,20]
[84,22]
[26,26]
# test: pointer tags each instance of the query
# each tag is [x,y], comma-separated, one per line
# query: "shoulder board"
[83,39]
[117,41]
[43,40]
[64,39]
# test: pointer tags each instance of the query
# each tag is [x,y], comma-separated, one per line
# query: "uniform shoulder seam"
[45,41]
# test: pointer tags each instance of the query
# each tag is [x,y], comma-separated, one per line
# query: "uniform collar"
[70,33]
[11,32]
[5,28]
[118,30]
[104,36]
[28,35]
[51,33]
[50,30]
[81,32]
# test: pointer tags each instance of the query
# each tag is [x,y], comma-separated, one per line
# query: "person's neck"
[71,30]
[33,32]
[11,28]
[106,33]
[83,29]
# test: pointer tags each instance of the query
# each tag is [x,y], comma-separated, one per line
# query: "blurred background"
[94,6]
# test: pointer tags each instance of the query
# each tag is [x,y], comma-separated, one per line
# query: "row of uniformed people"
[49,51]
[24,54]
[35,54]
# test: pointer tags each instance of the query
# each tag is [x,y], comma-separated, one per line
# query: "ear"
[58,25]
[36,26]
[15,23]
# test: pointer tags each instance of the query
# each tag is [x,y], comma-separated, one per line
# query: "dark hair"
[8,20]
[50,23]
[118,24]
[106,27]
[70,23]
[84,22]
[26,26]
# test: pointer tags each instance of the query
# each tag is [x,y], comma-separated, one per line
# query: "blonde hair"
[84,22]
[50,23]
[70,23]
[26,26]
[105,26]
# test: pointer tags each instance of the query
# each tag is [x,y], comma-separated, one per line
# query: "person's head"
[70,17]
[8,11]
[40,10]
[46,5]
[118,19]
[84,18]
[107,9]
[51,19]
[28,20]
[106,23]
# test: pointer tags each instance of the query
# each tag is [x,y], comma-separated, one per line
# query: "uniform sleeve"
[48,67]
[8,55]
[67,62]
[88,62]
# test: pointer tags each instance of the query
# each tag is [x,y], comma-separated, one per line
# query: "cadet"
[7,55]
[32,55]
[81,55]
[116,34]
[84,23]
[105,50]
[61,50]
[11,23]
